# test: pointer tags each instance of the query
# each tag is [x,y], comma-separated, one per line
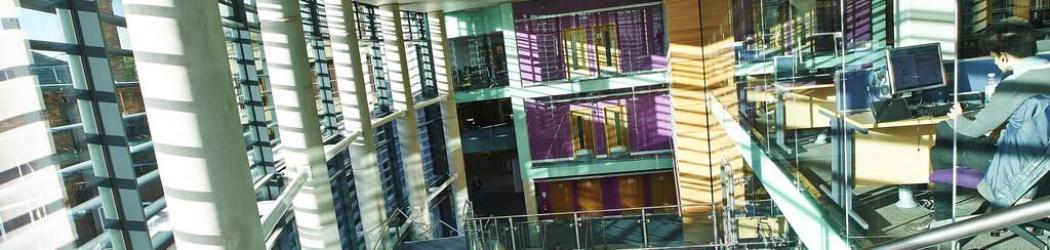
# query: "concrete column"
[26,148]
[521,129]
[914,21]
[185,78]
[287,65]
[450,117]
[404,83]
[353,92]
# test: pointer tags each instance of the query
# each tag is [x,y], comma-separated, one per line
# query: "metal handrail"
[270,219]
[1020,214]
[399,213]
[594,211]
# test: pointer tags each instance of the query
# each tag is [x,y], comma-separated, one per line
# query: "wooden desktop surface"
[891,153]
[801,103]
[866,119]
[797,87]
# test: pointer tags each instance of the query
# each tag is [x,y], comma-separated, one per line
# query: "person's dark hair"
[1014,36]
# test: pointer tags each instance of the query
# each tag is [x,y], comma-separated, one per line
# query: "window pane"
[115,36]
[43,22]
[112,7]
[56,73]
[123,68]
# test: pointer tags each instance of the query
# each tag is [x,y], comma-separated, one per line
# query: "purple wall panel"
[539,50]
[641,39]
[547,7]
[611,194]
[550,135]
[599,127]
[858,21]
[650,123]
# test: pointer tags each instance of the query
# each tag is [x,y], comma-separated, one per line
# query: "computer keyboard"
[940,110]
[931,110]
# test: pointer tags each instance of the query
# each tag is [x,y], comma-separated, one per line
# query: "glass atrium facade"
[771,124]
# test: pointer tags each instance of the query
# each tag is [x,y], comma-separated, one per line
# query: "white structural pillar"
[521,129]
[404,84]
[26,149]
[289,70]
[184,73]
[450,116]
[918,22]
[353,92]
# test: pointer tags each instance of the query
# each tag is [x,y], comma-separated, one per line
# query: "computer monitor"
[785,67]
[1042,45]
[825,43]
[853,88]
[973,73]
[915,68]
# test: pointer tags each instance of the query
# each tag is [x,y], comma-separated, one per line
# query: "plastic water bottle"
[989,87]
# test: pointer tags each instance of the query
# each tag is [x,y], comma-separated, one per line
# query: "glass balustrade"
[650,227]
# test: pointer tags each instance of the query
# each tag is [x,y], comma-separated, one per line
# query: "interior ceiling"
[432,5]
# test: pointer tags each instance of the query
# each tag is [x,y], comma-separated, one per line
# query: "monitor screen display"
[915,68]
[785,66]
[854,91]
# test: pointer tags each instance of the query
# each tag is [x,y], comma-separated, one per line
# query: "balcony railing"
[647,227]
[654,155]
[489,138]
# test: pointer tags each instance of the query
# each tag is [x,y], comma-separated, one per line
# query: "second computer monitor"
[915,68]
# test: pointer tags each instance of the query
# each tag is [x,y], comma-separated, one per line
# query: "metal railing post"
[576,228]
[473,233]
[513,244]
[481,234]
[645,231]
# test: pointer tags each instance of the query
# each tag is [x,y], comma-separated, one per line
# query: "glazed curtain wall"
[809,80]
[542,27]
[551,137]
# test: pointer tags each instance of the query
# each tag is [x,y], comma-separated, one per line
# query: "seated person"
[1011,43]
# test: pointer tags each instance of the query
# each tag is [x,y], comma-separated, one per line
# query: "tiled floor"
[887,221]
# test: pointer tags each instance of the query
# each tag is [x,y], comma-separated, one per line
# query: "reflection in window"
[432,141]
[589,44]
[583,143]
[616,135]
[42,21]
[606,41]
[478,61]
[369,32]
[391,170]
[577,53]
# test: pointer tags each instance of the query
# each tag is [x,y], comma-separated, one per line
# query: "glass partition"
[645,227]
[852,98]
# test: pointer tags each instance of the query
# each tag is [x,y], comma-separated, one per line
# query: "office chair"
[969,178]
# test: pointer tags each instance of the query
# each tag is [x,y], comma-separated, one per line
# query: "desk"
[803,105]
[891,152]
[895,153]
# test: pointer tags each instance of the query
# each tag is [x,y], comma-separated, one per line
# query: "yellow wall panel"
[702,63]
